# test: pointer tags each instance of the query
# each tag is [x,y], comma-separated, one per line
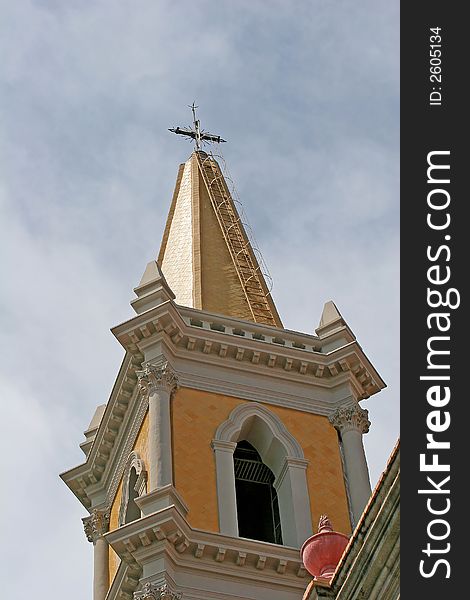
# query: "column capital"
[223,446]
[154,377]
[157,591]
[350,418]
[96,524]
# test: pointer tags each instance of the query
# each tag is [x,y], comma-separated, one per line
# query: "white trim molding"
[281,452]
[226,494]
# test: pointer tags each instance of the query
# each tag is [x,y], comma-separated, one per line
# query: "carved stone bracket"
[351,418]
[96,524]
[154,591]
[157,377]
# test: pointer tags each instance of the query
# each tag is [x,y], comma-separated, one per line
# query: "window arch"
[132,510]
[280,452]
[134,485]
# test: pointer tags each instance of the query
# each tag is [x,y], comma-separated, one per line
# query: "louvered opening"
[252,470]
[257,503]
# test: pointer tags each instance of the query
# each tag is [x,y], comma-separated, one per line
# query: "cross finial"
[196,133]
[193,109]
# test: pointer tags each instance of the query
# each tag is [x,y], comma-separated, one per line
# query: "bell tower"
[225,436]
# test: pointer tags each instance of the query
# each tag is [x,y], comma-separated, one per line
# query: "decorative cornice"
[125,582]
[201,338]
[293,355]
[156,377]
[127,449]
[88,475]
[171,536]
[157,591]
[133,418]
[351,418]
[96,524]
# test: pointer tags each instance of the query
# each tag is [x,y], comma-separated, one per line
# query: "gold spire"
[206,256]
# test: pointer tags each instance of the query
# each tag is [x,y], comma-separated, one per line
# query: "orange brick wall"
[325,480]
[195,418]
[141,445]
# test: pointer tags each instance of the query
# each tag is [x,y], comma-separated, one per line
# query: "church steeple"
[225,435]
[206,255]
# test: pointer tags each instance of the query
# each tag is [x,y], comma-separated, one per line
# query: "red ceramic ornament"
[321,552]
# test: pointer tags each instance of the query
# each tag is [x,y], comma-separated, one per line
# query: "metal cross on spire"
[196,133]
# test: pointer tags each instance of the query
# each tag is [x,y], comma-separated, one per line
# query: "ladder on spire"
[246,265]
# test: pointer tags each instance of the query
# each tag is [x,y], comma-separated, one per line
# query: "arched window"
[134,483]
[132,510]
[277,450]
[257,503]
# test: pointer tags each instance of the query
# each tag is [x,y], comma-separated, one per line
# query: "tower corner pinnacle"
[152,290]
[331,320]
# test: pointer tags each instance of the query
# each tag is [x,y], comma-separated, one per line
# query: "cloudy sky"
[306,92]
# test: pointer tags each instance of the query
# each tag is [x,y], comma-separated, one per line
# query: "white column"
[96,525]
[352,423]
[158,382]
[161,466]
[226,494]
